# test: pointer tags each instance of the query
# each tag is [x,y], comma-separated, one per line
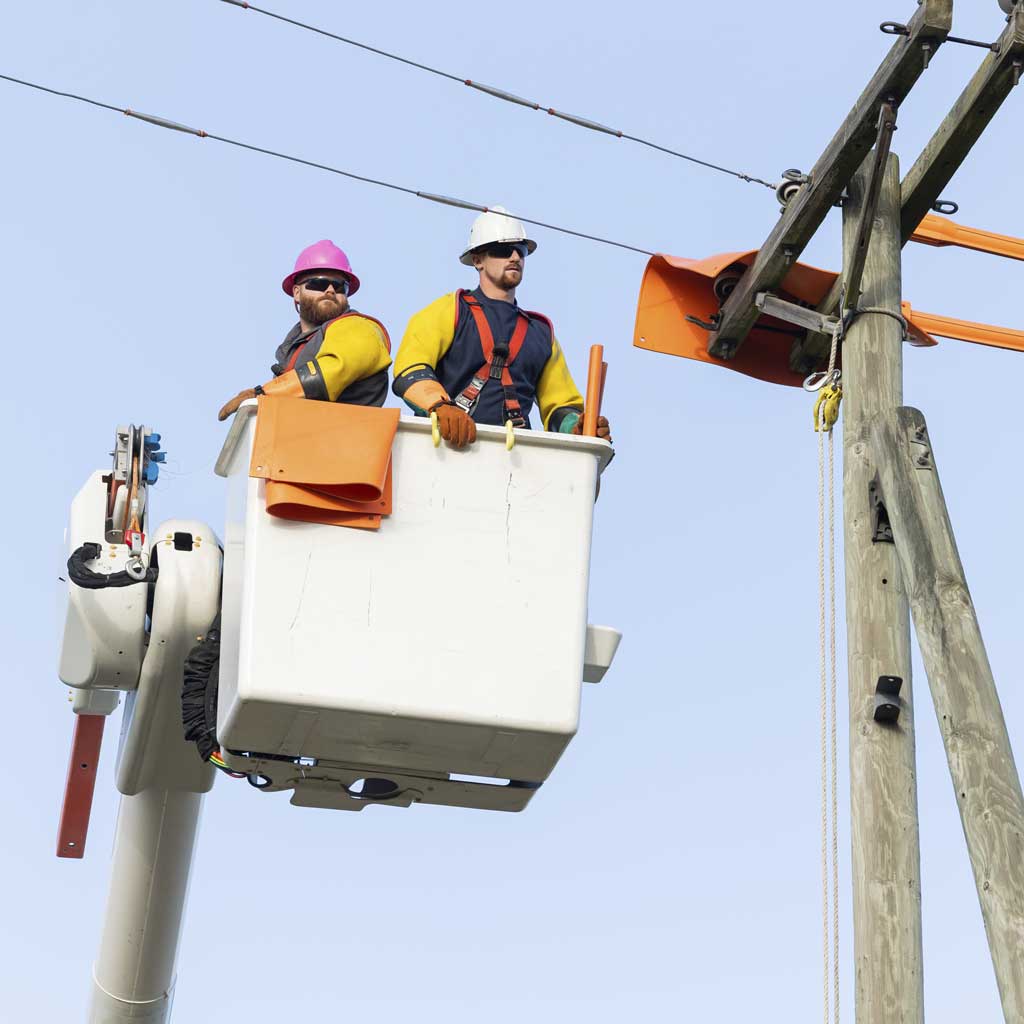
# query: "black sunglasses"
[503,250]
[321,284]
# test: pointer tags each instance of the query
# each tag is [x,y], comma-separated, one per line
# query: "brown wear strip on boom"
[78,790]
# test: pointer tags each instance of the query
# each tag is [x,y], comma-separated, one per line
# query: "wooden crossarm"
[803,216]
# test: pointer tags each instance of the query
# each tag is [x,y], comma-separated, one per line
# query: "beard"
[505,278]
[317,309]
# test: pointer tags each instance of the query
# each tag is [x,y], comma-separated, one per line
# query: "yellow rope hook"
[510,436]
[435,430]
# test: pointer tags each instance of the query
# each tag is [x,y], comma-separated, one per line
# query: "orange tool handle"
[74,815]
[595,389]
[941,231]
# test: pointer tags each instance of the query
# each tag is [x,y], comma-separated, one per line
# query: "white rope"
[829,708]
[822,646]
[833,714]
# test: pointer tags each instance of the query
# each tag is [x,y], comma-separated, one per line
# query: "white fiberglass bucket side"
[451,640]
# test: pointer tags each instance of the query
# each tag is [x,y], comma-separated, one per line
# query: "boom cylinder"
[133,980]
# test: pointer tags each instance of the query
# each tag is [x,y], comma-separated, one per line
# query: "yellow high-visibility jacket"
[344,360]
[441,351]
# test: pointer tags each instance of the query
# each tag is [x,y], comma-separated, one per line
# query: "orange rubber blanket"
[325,462]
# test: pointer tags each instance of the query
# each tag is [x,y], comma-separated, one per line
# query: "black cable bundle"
[199,692]
[84,577]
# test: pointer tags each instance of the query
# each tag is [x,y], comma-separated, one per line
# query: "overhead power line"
[502,94]
[162,122]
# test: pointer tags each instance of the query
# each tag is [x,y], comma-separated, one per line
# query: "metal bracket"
[855,271]
[345,786]
[881,528]
[707,325]
[791,313]
[887,699]
[921,450]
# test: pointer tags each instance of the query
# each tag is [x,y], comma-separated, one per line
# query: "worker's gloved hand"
[456,425]
[232,406]
[603,430]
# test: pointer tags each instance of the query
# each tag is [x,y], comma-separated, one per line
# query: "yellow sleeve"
[353,349]
[556,388]
[427,338]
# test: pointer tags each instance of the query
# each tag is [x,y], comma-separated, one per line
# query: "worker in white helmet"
[477,357]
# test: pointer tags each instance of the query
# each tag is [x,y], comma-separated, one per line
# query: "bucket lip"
[593,446]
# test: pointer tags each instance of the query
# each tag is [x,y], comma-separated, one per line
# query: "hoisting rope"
[826,412]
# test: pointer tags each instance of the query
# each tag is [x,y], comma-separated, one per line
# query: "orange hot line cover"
[325,462]
[673,288]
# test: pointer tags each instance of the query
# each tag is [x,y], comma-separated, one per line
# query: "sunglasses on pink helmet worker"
[321,284]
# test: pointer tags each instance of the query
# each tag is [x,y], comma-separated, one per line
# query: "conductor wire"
[503,94]
[465,204]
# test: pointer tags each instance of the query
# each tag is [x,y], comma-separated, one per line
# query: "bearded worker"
[333,354]
[477,357]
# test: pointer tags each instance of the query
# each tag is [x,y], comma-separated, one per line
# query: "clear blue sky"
[669,869]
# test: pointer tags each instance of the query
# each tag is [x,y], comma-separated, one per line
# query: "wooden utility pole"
[988,790]
[879,216]
[886,858]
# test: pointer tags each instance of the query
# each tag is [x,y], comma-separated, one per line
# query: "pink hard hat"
[322,255]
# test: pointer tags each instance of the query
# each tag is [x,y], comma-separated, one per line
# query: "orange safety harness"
[498,359]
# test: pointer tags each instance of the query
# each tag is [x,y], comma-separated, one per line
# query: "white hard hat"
[496,225]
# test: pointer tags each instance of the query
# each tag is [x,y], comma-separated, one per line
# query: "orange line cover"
[965,330]
[325,462]
[941,231]
[674,287]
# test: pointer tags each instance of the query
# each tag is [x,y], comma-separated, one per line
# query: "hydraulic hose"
[88,579]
